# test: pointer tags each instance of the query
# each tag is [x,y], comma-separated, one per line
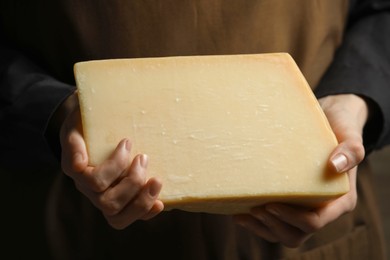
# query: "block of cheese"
[224,133]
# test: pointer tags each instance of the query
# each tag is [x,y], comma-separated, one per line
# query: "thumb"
[348,154]
[347,115]
[74,152]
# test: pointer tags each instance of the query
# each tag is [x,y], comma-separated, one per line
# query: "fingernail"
[154,189]
[127,145]
[340,162]
[143,160]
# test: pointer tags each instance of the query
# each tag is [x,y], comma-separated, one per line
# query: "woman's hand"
[292,225]
[118,187]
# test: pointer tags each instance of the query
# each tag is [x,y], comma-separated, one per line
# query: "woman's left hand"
[292,225]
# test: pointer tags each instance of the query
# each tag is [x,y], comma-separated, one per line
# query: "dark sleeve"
[28,98]
[362,67]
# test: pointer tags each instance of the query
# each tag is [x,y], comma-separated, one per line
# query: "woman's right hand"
[118,186]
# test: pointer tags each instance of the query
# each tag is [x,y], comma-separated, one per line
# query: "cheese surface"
[223,133]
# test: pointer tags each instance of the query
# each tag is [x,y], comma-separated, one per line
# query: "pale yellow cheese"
[223,133]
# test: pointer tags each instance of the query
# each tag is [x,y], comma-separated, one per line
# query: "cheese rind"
[223,133]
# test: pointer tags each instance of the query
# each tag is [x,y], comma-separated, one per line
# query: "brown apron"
[60,33]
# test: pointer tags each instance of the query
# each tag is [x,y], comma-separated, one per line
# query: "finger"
[154,211]
[342,205]
[256,227]
[110,171]
[139,207]
[115,198]
[347,115]
[312,220]
[288,235]
[309,221]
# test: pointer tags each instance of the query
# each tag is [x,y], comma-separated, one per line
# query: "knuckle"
[313,223]
[120,164]
[312,226]
[98,185]
[142,205]
[116,165]
[136,179]
[358,150]
[110,206]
